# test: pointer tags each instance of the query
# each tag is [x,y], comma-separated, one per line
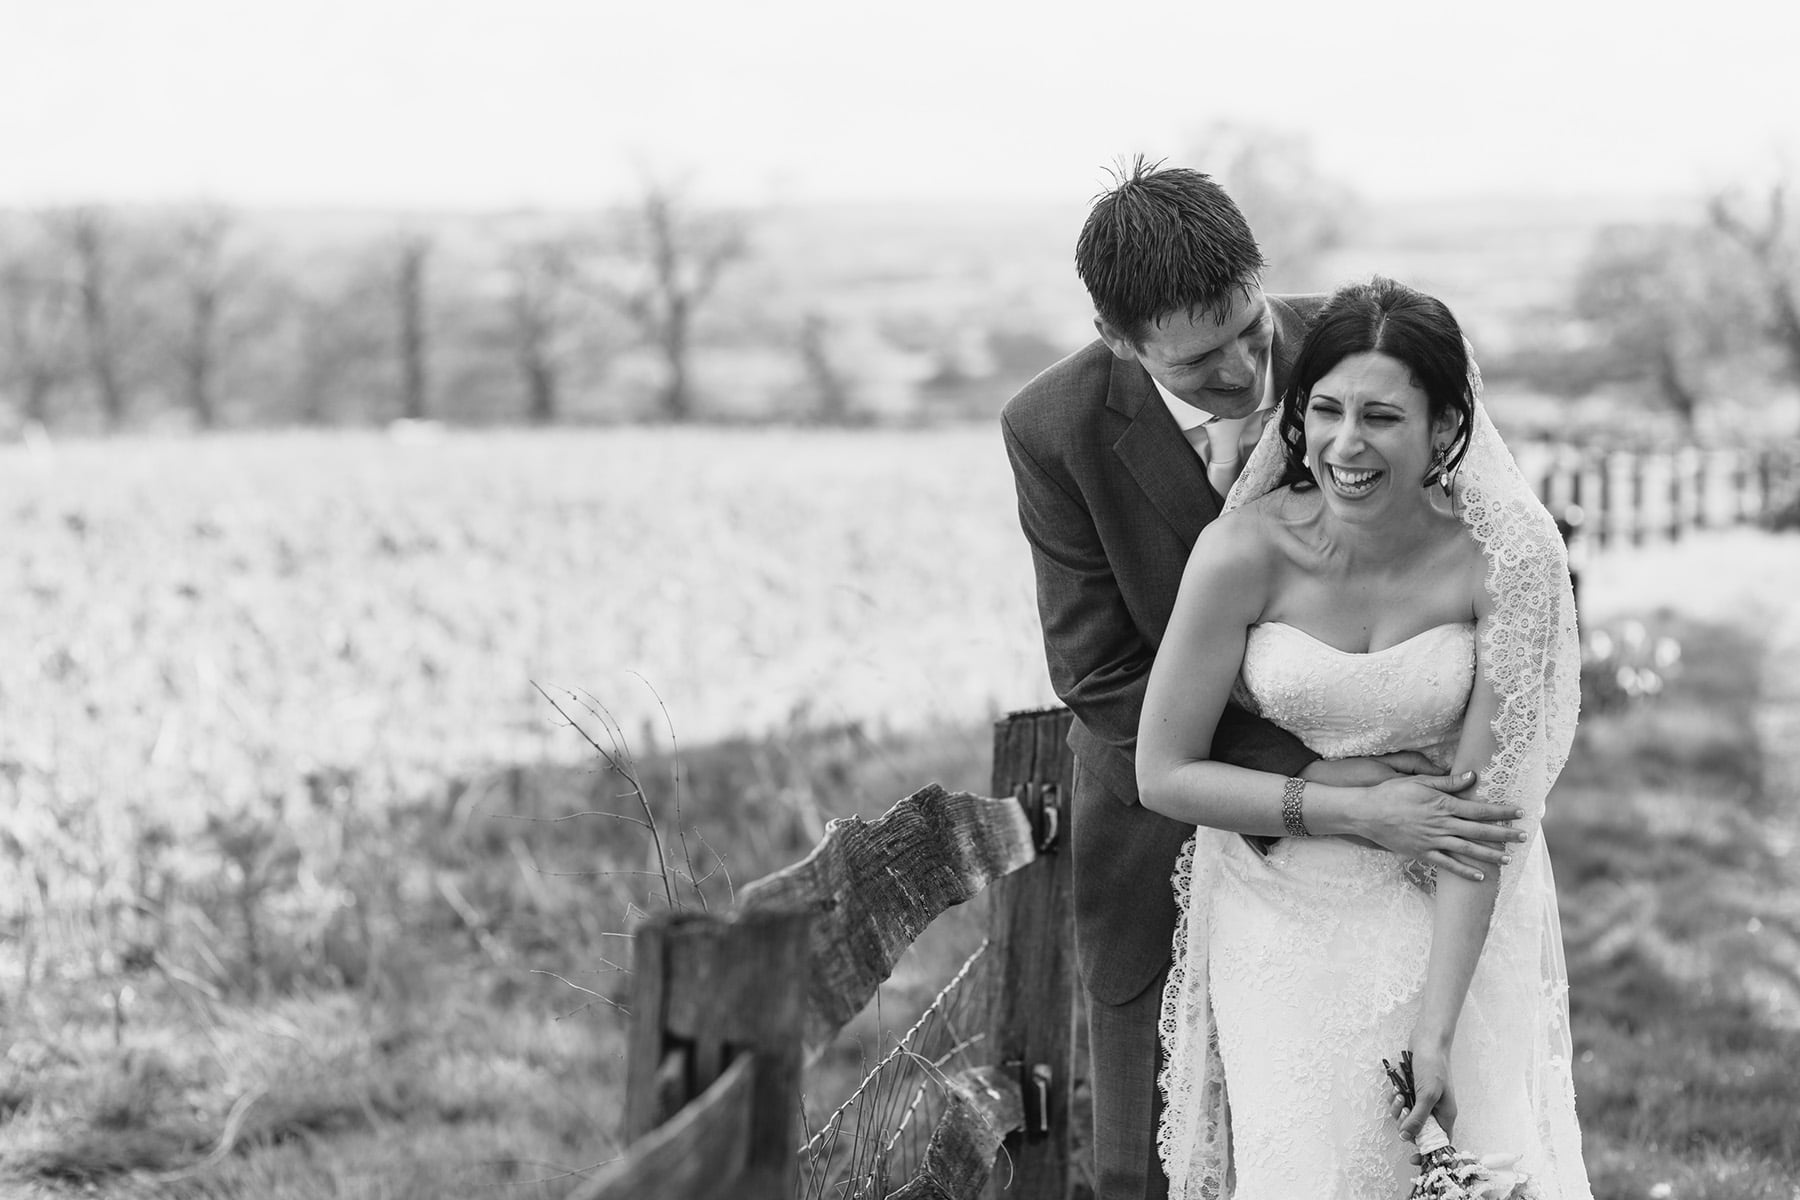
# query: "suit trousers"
[1125,1056]
[1122,855]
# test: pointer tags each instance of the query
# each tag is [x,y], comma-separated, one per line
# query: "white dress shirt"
[1209,435]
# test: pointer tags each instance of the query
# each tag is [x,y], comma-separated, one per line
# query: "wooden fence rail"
[725,1008]
[1626,496]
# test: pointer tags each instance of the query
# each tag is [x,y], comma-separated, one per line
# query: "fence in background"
[1609,497]
[726,1008]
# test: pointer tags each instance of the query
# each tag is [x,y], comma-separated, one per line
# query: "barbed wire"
[881,1119]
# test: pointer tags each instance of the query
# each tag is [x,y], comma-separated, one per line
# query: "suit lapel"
[1157,455]
[1153,448]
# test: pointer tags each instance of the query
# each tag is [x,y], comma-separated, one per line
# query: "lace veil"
[1532,655]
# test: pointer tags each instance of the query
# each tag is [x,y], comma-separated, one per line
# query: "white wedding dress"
[1294,975]
[1317,953]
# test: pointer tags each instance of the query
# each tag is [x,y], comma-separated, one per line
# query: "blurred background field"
[289,909]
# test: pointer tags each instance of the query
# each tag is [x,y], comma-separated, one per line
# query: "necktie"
[1220,444]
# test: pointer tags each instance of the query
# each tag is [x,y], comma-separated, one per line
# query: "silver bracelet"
[1292,793]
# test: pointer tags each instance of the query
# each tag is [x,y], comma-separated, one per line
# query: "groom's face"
[1218,366]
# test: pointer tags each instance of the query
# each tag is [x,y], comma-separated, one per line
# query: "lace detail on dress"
[1302,1034]
[1345,705]
[1317,952]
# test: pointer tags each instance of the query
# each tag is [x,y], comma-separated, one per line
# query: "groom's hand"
[1367,772]
[1422,817]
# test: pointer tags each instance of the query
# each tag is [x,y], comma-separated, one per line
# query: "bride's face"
[1370,435]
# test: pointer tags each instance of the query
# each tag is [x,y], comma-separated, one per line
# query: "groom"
[1121,454]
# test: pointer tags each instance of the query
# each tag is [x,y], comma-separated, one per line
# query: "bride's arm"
[1223,590]
[1461,911]
[1228,581]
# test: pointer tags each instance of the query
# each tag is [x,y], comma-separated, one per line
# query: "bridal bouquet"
[1446,1173]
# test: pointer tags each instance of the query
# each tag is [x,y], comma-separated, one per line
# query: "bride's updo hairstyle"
[1380,317]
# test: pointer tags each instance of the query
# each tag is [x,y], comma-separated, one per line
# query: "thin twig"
[675,778]
[650,817]
[597,997]
[720,866]
[567,982]
[610,871]
[579,1009]
[567,817]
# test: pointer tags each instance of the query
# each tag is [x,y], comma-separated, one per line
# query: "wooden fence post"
[1706,490]
[1035,989]
[708,991]
[1743,510]
[1677,512]
[1639,514]
[1606,520]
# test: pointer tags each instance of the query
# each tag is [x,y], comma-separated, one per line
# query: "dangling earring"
[1439,470]
[1306,461]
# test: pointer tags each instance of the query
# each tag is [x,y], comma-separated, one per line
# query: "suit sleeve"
[1099,661]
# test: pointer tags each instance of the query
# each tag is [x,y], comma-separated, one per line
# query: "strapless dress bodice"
[1342,704]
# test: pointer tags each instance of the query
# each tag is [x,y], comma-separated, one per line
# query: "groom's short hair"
[1163,240]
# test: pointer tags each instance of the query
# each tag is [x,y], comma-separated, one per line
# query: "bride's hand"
[1432,1094]
[1420,816]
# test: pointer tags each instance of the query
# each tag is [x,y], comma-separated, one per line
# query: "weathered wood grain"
[708,991]
[873,887]
[984,1107]
[698,1155]
[1034,1001]
[648,1102]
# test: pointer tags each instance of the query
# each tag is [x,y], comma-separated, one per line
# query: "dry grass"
[460,1063]
[1681,918]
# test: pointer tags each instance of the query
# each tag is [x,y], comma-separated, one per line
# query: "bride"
[1383,580]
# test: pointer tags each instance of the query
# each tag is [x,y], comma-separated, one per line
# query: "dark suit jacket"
[1112,498]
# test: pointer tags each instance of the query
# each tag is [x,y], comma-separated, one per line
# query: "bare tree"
[94,244]
[541,318]
[320,343]
[833,390]
[668,258]
[213,279]
[1770,248]
[412,256]
[39,312]
[1297,212]
[1668,307]
[337,350]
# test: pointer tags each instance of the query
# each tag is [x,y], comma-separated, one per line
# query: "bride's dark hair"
[1382,317]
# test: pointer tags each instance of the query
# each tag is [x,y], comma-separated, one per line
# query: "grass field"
[280,881]
[269,709]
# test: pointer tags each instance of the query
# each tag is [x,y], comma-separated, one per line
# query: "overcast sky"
[441,103]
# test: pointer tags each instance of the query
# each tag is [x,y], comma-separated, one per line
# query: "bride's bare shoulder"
[1278,519]
[1258,532]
